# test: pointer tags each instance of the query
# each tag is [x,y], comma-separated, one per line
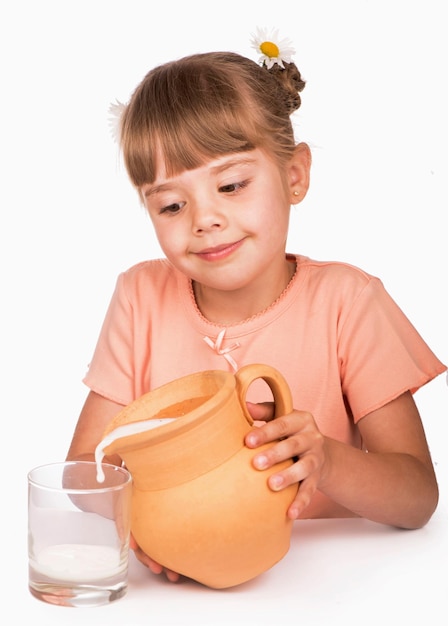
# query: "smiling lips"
[219,252]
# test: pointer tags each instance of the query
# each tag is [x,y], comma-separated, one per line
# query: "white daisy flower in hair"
[272,49]
[115,112]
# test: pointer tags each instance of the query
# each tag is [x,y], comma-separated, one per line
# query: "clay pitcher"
[199,506]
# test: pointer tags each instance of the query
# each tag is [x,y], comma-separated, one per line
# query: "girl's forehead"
[210,165]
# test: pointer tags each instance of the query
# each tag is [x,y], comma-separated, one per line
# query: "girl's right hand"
[155,567]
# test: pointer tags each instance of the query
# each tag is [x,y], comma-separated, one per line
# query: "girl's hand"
[155,567]
[300,439]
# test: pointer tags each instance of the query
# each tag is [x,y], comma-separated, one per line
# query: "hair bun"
[291,82]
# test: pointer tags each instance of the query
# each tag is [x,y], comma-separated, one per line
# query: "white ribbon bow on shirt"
[216,346]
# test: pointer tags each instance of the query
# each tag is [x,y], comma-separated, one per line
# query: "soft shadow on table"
[308,536]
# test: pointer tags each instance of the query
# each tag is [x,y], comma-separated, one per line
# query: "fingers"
[173,577]
[305,472]
[152,565]
[306,491]
[279,428]
[155,567]
[294,436]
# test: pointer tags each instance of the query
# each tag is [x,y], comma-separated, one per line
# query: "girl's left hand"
[296,436]
[155,567]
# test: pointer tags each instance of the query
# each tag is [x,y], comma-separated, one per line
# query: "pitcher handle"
[276,382]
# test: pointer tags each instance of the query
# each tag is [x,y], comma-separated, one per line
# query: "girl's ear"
[298,171]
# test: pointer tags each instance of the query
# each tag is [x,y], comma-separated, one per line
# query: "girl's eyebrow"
[215,169]
[221,167]
[157,189]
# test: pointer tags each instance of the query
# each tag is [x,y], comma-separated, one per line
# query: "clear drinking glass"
[78,533]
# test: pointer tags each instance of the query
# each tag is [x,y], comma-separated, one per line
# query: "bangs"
[188,117]
[184,143]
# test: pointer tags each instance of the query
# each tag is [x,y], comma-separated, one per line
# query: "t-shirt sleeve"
[111,370]
[381,353]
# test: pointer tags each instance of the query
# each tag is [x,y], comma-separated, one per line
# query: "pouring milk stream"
[132,428]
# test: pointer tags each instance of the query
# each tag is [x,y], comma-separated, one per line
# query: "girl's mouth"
[217,253]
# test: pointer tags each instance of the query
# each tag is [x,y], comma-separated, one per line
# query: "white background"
[374,114]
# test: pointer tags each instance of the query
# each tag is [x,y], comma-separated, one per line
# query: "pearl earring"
[295,193]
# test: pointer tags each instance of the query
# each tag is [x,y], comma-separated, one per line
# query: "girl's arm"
[96,414]
[392,481]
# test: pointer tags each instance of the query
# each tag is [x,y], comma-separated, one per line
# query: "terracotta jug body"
[199,507]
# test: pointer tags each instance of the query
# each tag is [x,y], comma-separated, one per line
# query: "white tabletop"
[336,571]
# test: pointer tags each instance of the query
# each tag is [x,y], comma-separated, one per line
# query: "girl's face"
[225,223]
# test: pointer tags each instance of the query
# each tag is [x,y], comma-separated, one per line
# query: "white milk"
[78,562]
[124,431]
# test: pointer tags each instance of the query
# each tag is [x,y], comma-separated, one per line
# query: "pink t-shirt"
[342,344]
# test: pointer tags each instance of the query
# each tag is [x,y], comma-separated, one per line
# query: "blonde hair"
[206,105]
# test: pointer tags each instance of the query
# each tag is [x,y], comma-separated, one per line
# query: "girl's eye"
[172,208]
[233,187]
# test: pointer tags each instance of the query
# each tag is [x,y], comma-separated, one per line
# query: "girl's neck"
[231,307]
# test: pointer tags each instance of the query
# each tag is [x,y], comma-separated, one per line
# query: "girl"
[208,143]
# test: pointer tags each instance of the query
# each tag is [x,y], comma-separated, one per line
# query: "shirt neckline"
[249,325]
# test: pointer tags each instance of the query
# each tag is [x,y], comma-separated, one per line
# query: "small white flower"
[272,49]
[115,112]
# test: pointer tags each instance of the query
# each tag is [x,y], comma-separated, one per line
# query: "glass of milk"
[78,533]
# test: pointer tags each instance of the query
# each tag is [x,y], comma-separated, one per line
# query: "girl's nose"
[207,218]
